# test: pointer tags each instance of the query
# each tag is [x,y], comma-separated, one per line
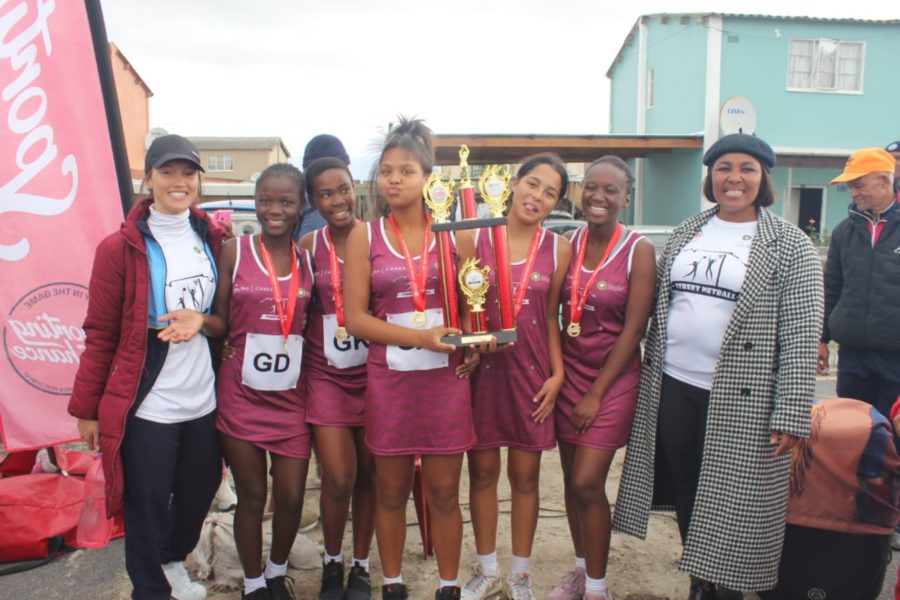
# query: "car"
[560,222]
[240,215]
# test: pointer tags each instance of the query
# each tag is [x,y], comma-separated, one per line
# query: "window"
[219,162]
[825,65]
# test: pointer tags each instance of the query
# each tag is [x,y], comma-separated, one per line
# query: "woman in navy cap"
[728,377]
[144,393]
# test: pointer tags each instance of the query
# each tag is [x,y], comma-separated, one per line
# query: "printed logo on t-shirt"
[191,292]
[706,270]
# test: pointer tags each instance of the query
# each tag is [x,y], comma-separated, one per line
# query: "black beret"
[741,142]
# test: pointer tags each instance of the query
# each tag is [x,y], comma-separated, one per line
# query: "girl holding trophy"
[514,392]
[392,300]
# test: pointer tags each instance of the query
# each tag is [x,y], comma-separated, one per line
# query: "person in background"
[845,483]
[144,392]
[862,284]
[728,377]
[323,145]
[894,149]
[607,298]
[514,392]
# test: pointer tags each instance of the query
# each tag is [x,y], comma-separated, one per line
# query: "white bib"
[405,358]
[267,366]
[350,352]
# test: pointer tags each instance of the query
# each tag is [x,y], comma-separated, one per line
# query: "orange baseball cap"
[865,161]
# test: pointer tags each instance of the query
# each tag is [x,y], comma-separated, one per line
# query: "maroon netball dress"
[585,355]
[258,398]
[415,403]
[334,362]
[506,382]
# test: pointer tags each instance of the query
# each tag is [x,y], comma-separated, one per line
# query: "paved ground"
[100,574]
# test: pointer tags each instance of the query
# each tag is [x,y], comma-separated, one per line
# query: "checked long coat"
[764,381]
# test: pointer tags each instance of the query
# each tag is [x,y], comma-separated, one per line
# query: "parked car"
[240,215]
[560,222]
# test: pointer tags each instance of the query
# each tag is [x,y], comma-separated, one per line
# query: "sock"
[362,562]
[390,580]
[520,564]
[488,564]
[595,586]
[339,557]
[251,585]
[442,583]
[579,563]
[273,570]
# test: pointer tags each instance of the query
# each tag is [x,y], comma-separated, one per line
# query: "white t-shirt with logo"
[707,276]
[185,387]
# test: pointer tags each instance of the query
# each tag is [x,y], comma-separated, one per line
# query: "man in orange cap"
[862,284]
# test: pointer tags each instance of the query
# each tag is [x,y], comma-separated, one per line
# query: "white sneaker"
[481,586]
[519,586]
[225,497]
[182,586]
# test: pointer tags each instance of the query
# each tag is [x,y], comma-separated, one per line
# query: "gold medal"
[418,319]
[535,276]
[340,334]
[574,329]
[602,285]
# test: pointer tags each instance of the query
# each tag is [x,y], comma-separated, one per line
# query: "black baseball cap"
[171,147]
[893,146]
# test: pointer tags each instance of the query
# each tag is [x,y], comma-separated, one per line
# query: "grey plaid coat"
[764,381]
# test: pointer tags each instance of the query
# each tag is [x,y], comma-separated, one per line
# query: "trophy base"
[468,224]
[474,339]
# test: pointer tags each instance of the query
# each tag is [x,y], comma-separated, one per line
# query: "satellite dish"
[737,116]
[152,135]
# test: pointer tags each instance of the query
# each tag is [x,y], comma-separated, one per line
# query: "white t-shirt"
[185,387]
[707,276]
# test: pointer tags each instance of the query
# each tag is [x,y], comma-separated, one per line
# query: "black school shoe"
[723,593]
[702,590]
[278,588]
[257,594]
[394,591]
[332,581]
[359,586]
[449,592]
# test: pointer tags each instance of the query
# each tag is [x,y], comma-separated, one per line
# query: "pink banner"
[58,198]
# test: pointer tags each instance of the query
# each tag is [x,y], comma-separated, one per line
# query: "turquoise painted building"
[814,89]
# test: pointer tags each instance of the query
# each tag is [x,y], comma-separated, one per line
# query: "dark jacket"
[862,283]
[118,361]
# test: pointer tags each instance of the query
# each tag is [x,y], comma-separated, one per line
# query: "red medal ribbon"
[526,272]
[337,290]
[577,302]
[416,284]
[284,319]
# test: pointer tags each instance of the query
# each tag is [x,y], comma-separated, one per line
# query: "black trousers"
[172,471]
[681,430]
[872,376]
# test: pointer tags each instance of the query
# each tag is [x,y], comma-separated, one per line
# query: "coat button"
[748,346]
[745,391]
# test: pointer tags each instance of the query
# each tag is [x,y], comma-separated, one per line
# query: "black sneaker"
[448,592]
[332,581]
[257,594]
[280,588]
[394,591]
[359,586]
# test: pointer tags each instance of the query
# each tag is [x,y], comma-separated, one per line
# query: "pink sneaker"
[571,587]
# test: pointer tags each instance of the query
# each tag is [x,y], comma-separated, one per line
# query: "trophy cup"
[473,280]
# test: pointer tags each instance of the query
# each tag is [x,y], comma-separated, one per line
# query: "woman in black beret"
[728,378]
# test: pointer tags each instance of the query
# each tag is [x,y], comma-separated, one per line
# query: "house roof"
[129,67]
[239,143]
[632,33]
[509,149]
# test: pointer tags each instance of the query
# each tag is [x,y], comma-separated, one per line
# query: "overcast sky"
[294,68]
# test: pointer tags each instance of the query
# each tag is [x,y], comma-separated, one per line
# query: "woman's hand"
[228,350]
[785,441]
[184,324]
[471,358]
[585,412]
[89,430]
[822,359]
[546,399]
[430,339]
